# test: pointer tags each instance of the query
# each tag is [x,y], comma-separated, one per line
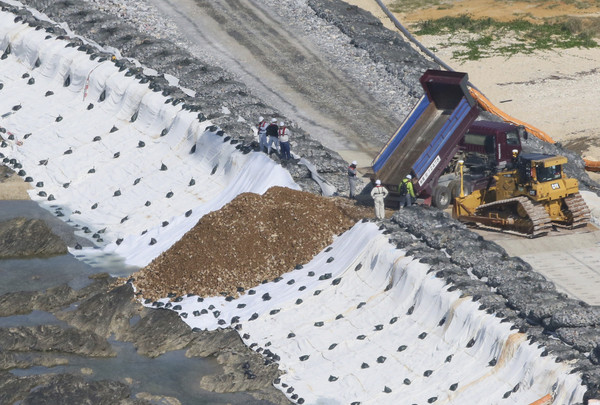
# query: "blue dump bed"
[430,136]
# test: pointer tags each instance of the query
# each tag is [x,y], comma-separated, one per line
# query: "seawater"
[171,374]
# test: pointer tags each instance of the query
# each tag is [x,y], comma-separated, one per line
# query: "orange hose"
[546,400]
[590,165]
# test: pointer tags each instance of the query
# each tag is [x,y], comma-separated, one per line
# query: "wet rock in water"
[71,389]
[23,237]
[104,313]
[48,338]
[10,360]
[23,302]
[159,331]
[14,389]
[238,362]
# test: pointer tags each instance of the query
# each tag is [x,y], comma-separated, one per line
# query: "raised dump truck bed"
[430,136]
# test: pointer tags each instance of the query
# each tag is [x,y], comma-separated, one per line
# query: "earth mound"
[251,239]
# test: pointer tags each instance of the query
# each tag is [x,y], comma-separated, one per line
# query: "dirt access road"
[286,72]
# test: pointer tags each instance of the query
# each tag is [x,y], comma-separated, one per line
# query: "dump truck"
[441,130]
[486,148]
[477,164]
[528,197]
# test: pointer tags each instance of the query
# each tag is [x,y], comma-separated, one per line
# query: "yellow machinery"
[528,198]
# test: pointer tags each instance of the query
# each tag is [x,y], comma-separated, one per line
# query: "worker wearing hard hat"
[284,141]
[379,193]
[262,134]
[273,136]
[352,178]
[406,191]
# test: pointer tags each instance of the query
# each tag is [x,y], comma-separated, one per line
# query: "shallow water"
[171,374]
[34,318]
[38,274]
[29,209]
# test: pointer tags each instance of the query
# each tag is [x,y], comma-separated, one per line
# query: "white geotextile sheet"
[120,169]
[363,323]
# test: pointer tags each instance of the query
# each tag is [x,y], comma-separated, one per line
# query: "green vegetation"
[403,6]
[487,37]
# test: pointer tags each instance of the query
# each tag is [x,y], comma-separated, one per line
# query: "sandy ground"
[12,187]
[554,91]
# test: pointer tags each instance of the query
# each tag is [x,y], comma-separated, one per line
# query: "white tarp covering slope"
[363,323]
[111,155]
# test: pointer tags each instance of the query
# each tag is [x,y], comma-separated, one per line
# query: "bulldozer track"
[538,221]
[579,209]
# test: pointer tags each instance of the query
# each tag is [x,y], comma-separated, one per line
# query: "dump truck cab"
[491,145]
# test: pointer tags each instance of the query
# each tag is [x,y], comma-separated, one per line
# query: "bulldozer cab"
[538,168]
[541,178]
[529,199]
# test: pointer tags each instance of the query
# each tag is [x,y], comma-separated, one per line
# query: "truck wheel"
[441,197]
[454,188]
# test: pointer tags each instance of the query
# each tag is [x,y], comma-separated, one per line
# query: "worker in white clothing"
[379,193]
[262,134]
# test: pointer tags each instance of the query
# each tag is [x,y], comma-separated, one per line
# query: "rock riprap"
[252,239]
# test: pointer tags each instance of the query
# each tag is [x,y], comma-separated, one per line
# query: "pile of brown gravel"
[251,239]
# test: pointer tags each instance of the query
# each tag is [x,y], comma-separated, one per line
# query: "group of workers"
[274,137]
[379,192]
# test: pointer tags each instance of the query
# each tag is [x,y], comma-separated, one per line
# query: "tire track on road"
[286,72]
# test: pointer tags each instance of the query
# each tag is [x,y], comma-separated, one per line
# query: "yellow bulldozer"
[530,197]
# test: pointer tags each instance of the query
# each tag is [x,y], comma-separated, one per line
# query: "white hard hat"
[273,120]
[354,163]
[261,118]
[281,124]
[408,176]
[378,182]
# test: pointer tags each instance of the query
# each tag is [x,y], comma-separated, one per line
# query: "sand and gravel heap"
[251,239]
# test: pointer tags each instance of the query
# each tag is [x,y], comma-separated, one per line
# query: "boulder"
[53,338]
[26,237]
[70,389]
